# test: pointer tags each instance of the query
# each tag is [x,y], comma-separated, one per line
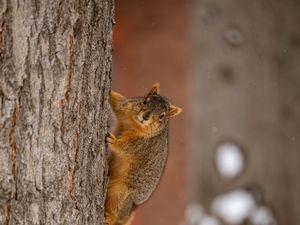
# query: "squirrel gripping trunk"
[138,151]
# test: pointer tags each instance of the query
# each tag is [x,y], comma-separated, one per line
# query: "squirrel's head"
[153,111]
[144,115]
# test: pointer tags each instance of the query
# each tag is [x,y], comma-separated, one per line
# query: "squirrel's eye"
[145,101]
[161,115]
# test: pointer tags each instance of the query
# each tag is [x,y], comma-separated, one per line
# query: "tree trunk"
[245,90]
[55,72]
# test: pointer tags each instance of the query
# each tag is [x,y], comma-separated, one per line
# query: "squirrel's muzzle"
[147,115]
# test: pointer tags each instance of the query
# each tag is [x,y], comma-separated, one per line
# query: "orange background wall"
[150,45]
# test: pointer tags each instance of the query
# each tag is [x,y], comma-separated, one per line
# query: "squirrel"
[138,152]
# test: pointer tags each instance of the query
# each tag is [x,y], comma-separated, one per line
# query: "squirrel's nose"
[146,115]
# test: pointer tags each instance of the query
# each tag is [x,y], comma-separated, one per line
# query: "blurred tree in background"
[245,95]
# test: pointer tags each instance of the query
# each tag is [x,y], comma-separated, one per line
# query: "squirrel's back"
[149,160]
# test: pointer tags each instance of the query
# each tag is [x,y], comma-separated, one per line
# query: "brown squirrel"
[138,152]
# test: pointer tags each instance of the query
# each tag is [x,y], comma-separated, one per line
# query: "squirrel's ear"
[173,111]
[116,94]
[115,97]
[154,90]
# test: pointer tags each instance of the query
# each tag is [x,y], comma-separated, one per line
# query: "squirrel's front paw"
[110,138]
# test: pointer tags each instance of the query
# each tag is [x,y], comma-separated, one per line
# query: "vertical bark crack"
[72,169]
[2,40]
[67,86]
[70,67]
[72,165]
[13,145]
[7,212]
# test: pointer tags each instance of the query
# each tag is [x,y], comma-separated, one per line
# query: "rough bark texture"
[55,68]
[246,90]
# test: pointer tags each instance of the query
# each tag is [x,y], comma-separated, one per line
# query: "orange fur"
[130,219]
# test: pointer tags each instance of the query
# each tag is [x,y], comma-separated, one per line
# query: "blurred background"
[234,67]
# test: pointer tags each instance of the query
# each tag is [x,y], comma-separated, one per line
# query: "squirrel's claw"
[110,138]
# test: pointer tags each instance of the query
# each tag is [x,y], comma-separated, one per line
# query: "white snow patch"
[209,220]
[262,215]
[229,160]
[194,213]
[233,207]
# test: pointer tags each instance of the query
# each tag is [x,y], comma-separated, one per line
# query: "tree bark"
[55,73]
[245,89]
